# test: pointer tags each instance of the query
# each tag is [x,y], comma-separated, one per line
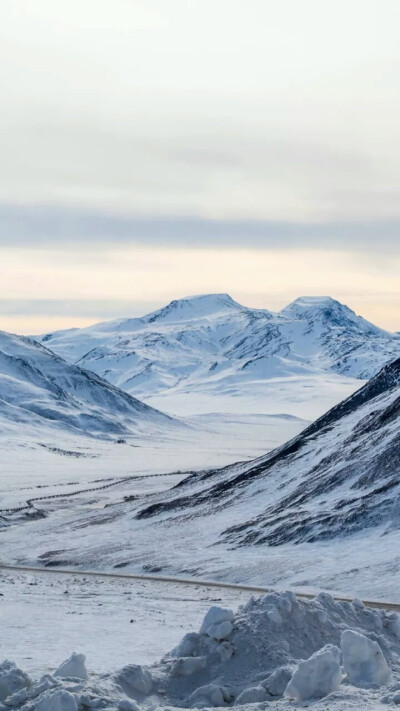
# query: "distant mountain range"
[39,389]
[211,346]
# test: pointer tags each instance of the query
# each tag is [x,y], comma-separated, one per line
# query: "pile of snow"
[274,647]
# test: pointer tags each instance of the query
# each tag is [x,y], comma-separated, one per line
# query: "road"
[252,589]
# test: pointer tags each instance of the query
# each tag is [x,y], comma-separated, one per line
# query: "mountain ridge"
[211,346]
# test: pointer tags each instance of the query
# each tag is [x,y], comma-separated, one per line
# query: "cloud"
[57,227]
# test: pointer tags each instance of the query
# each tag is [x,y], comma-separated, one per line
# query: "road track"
[252,589]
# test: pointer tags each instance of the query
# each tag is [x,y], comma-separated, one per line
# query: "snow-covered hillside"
[333,491]
[38,389]
[339,476]
[209,353]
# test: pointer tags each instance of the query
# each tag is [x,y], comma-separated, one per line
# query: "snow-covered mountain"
[319,511]
[340,476]
[39,389]
[213,347]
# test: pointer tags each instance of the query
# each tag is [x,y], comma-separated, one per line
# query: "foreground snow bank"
[275,646]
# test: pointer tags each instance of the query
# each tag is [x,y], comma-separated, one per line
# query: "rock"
[363,660]
[316,677]
[73,668]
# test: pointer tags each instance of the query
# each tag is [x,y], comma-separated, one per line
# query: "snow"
[299,660]
[38,389]
[363,660]
[135,680]
[196,354]
[217,623]
[316,677]
[57,700]
[12,679]
[73,667]
[77,453]
[330,490]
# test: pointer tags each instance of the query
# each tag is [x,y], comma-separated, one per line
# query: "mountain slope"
[212,347]
[341,475]
[322,510]
[39,388]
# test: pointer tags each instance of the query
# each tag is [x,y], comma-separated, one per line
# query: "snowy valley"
[275,460]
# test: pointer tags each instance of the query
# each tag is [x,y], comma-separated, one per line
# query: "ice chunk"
[275,617]
[185,666]
[358,604]
[316,677]
[363,660]
[391,621]
[135,678]
[188,646]
[12,679]
[277,682]
[252,695]
[56,700]
[127,705]
[73,668]
[218,623]
[209,695]
[225,650]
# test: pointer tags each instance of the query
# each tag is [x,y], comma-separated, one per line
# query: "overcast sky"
[155,148]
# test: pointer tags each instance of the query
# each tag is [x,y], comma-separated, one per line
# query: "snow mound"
[260,662]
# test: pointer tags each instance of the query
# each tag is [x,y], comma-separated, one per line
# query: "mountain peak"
[193,307]
[328,310]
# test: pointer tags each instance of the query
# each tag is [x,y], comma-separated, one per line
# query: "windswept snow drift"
[295,653]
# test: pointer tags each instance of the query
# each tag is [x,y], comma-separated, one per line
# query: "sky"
[153,149]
